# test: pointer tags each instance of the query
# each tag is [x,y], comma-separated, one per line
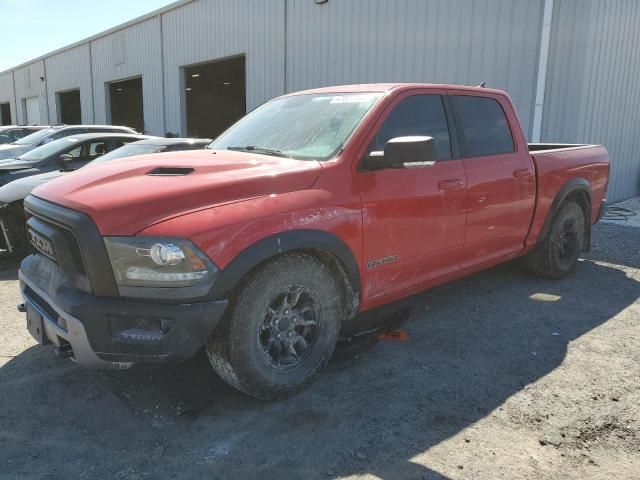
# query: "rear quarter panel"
[554,168]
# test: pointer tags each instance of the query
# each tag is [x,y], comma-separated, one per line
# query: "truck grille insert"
[65,250]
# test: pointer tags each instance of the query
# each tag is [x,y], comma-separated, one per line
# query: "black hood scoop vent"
[171,171]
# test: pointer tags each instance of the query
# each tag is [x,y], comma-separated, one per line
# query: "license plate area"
[35,325]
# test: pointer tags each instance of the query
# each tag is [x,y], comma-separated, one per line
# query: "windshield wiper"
[265,151]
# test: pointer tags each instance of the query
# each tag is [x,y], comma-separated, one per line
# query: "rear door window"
[484,125]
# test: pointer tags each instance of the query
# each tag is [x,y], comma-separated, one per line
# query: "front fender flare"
[280,243]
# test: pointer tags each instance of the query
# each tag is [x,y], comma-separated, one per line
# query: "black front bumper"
[111,331]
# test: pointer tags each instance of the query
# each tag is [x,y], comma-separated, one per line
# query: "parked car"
[67,153]
[12,195]
[11,133]
[153,145]
[49,134]
[314,207]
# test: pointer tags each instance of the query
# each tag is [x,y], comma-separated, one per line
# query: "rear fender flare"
[574,185]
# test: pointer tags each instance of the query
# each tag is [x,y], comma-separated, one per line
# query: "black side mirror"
[404,152]
[63,160]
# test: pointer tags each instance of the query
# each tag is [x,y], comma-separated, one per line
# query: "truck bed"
[543,147]
[555,165]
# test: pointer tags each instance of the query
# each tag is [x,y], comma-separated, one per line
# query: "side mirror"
[63,160]
[404,152]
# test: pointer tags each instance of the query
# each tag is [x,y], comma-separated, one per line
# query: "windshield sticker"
[353,99]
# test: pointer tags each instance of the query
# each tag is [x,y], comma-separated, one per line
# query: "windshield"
[128,151]
[51,148]
[35,137]
[307,127]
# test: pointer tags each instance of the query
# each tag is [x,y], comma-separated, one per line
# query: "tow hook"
[22,308]
[64,351]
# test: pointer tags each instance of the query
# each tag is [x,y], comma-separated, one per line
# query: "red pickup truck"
[314,207]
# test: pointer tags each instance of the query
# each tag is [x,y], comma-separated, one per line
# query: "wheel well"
[350,297]
[582,198]
[338,270]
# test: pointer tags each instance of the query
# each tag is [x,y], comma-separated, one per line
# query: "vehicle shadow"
[471,345]
[9,268]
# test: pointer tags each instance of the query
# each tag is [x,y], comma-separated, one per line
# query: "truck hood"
[21,188]
[127,195]
[13,151]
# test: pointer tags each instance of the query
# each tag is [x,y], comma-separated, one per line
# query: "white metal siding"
[591,92]
[213,29]
[70,70]
[141,45]
[28,85]
[435,41]
[6,93]
[592,84]
[32,110]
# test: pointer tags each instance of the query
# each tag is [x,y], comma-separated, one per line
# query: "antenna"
[481,85]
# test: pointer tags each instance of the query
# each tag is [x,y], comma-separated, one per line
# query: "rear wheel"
[282,327]
[557,255]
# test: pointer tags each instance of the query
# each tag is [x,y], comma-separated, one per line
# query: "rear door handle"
[522,173]
[450,184]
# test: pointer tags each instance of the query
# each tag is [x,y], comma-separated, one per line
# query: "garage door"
[32,109]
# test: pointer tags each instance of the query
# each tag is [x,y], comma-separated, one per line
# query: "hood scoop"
[171,171]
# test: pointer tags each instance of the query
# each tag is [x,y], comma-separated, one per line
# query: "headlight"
[158,262]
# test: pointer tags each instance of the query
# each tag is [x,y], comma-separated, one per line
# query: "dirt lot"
[502,376]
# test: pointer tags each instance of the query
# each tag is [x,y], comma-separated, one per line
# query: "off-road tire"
[545,260]
[234,348]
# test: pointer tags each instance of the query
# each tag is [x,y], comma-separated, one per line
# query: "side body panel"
[500,192]
[555,168]
[413,220]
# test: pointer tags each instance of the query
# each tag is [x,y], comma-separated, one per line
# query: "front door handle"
[450,184]
[522,173]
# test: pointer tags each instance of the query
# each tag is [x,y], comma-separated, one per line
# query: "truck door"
[500,176]
[414,218]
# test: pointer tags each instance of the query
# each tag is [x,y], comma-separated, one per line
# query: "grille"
[67,251]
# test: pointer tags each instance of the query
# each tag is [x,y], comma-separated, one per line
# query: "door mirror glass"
[404,152]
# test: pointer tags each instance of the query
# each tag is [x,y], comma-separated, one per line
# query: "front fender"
[241,235]
[283,242]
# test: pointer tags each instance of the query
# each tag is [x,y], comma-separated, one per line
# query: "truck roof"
[385,87]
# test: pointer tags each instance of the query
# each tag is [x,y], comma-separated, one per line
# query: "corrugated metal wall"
[214,29]
[6,93]
[131,52]
[451,41]
[28,85]
[593,94]
[69,70]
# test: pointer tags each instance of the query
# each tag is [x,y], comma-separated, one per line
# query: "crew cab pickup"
[312,208]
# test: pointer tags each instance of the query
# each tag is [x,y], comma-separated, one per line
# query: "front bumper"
[112,332]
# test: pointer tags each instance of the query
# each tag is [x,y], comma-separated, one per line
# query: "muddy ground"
[502,376]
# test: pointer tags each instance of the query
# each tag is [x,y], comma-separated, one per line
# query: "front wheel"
[281,328]
[557,255]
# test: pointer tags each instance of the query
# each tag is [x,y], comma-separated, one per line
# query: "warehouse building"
[195,66]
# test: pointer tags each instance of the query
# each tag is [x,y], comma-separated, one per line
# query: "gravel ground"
[502,376]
